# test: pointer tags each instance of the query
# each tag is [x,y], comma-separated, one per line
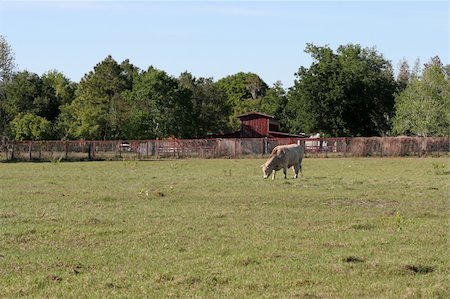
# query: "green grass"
[349,228]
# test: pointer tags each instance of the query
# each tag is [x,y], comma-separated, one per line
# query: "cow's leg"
[273,174]
[285,172]
[296,169]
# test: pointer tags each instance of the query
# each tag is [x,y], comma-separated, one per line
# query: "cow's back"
[294,153]
[291,153]
[277,150]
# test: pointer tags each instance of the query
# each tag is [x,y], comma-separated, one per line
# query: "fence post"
[382,140]
[347,145]
[12,151]
[419,147]
[266,146]
[29,150]
[89,150]
[6,147]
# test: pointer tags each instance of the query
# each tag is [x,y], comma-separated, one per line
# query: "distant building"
[258,125]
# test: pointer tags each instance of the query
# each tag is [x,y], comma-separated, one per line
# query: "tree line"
[348,92]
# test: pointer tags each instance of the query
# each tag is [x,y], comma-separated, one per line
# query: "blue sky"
[217,38]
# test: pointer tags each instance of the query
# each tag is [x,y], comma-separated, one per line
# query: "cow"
[284,157]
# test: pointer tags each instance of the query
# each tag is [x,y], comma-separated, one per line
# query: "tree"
[7,64]
[423,108]
[97,110]
[20,93]
[244,92]
[62,87]
[63,91]
[347,93]
[415,73]
[209,104]
[26,92]
[403,76]
[6,70]
[130,71]
[28,126]
[274,101]
[161,108]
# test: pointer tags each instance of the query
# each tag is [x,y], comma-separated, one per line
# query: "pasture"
[349,228]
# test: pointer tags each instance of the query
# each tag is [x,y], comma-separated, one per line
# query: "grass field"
[349,228]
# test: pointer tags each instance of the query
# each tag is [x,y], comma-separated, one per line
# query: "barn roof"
[256,114]
[275,134]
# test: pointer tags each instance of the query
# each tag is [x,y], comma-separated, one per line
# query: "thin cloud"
[231,10]
[79,5]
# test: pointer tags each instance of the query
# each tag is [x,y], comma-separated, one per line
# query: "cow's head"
[266,170]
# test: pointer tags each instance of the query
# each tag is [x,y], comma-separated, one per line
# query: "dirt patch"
[7,215]
[304,282]
[353,259]
[93,221]
[363,226]
[111,285]
[54,278]
[417,269]
[71,268]
[248,261]
[367,203]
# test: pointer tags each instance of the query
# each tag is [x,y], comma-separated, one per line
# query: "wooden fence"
[219,147]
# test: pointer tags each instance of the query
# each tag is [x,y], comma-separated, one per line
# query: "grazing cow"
[284,157]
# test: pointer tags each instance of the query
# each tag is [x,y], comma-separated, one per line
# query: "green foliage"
[244,92]
[97,110]
[347,93]
[399,221]
[27,93]
[274,101]
[404,75]
[42,96]
[161,108]
[423,107]
[28,126]
[209,103]
[130,71]
[242,86]
[21,92]
[439,168]
[7,64]
[63,88]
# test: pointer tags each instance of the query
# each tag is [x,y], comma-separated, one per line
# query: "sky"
[217,38]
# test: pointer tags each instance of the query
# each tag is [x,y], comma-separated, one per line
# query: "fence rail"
[220,147]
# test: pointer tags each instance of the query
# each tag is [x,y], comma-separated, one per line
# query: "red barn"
[257,125]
